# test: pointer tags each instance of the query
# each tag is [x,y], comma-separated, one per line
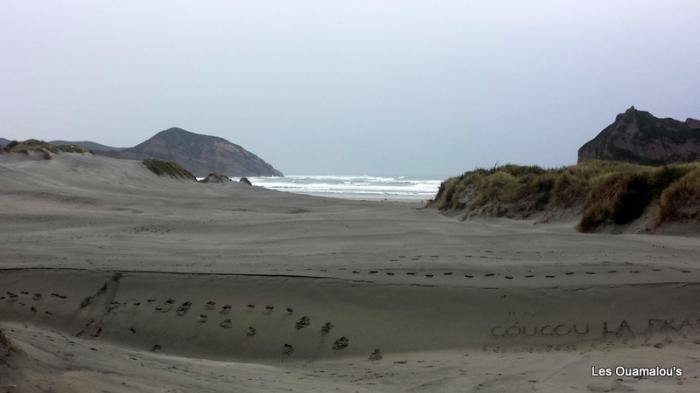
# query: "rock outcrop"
[640,137]
[199,154]
[4,141]
[216,178]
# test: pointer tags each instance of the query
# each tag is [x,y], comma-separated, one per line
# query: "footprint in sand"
[341,343]
[225,309]
[226,324]
[376,355]
[132,330]
[166,306]
[489,275]
[302,323]
[569,273]
[36,297]
[203,318]
[156,348]
[183,309]
[210,305]
[251,331]
[269,308]
[326,328]
[468,276]
[430,275]
[290,310]
[287,349]
[251,306]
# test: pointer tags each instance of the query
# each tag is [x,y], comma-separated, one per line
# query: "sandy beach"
[114,279]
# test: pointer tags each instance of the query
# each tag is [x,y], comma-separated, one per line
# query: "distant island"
[199,154]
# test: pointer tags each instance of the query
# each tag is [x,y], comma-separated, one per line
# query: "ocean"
[399,188]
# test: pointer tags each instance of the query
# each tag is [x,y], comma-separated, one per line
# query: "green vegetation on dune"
[37,146]
[603,192]
[167,168]
[681,200]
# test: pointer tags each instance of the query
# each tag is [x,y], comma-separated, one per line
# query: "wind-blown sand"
[114,279]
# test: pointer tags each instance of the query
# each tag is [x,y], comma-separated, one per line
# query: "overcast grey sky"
[349,87]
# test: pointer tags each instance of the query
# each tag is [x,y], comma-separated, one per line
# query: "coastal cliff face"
[3,141]
[640,137]
[200,154]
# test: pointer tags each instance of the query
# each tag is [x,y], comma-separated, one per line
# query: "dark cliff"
[640,137]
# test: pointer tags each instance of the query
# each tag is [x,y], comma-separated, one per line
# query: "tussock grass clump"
[681,200]
[167,168]
[603,192]
[622,197]
[45,148]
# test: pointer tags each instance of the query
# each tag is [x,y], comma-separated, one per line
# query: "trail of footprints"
[181,310]
[24,297]
[507,276]
[35,301]
[486,254]
[227,323]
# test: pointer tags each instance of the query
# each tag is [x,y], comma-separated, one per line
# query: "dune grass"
[35,145]
[167,168]
[681,200]
[603,192]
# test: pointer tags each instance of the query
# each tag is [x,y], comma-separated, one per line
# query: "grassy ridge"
[167,168]
[34,145]
[603,192]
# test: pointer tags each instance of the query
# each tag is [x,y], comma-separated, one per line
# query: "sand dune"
[209,285]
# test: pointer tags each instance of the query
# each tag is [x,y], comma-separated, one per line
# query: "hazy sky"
[349,87]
